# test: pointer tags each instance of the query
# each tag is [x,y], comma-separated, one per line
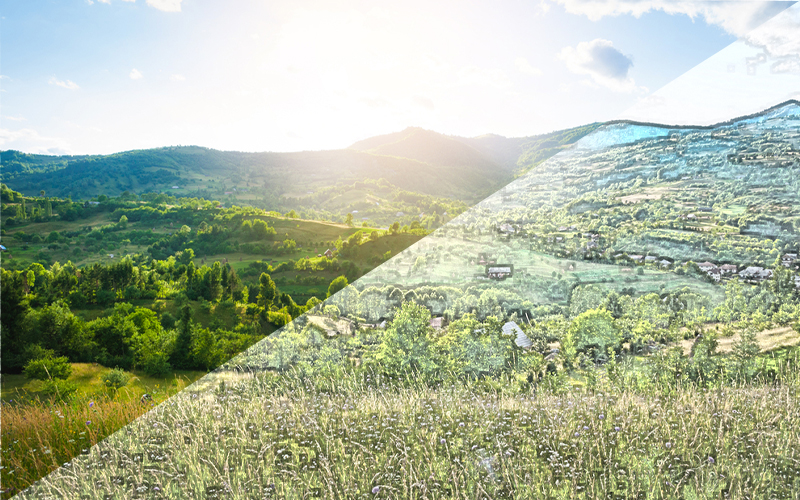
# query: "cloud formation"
[525,67]
[738,17]
[423,102]
[31,141]
[67,84]
[135,74]
[602,62]
[177,78]
[166,5]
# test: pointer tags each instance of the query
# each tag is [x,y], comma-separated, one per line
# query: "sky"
[103,76]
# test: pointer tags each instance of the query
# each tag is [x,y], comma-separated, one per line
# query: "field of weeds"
[363,436]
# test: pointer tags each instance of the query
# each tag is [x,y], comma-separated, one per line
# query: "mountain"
[449,169]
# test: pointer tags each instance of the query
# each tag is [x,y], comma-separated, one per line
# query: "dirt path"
[768,340]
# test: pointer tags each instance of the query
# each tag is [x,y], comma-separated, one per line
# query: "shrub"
[59,389]
[48,368]
[115,378]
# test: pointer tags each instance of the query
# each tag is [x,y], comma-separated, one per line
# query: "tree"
[593,332]
[405,346]
[41,193]
[337,284]
[123,222]
[181,356]
[349,219]
[267,291]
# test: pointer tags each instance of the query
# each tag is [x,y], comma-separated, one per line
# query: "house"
[563,228]
[636,258]
[506,228]
[728,268]
[664,263]
[755,273]
[706,266]
[522,340]
[714,273]
[499,272]
[704,209]
[788,259]
[437,323]
[797,281]
[175,187]
[328,253]
[650,259]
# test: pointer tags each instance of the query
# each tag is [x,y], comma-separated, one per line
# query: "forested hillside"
[412,173]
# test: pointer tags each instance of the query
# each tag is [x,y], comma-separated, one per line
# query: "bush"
[48,368]
[60,389]
[156,365]
[115,378]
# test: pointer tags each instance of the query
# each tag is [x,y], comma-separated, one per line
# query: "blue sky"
[105,76]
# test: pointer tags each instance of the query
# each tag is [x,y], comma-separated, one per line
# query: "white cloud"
[473,75]
[177,78]
[30,141]
[737,17]
[602,62]
[525,67]
[15,118]
[67,84]
[135,74]
[423,102]
[166,5]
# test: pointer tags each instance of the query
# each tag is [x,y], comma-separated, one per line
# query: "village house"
[728,268]
[755,273]
[664,263]
[328,253]
[706,266]
[437,323]
[506,228]
[650,259]
[788,259]
[636,258]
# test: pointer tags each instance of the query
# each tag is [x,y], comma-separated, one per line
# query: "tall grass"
[38,436]
[360,435]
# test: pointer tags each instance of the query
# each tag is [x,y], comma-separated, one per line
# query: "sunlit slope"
[604,239]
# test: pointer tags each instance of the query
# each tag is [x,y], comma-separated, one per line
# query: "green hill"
[378,172]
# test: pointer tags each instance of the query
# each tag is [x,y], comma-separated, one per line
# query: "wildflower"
[91,404]
[585,428]
[601,416]
[375,490]
[711,460]
[442,441]
[616,429]
[88,422]
[668,445]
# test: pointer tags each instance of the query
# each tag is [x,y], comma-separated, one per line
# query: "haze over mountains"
[414,160]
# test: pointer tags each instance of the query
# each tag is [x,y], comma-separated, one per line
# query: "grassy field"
[349,436]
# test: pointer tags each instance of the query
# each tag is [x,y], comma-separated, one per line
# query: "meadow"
[363,435]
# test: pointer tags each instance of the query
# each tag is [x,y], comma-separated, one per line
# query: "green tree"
[593,332]
[123,222]
[349,219]
[267,291]
[181,356]
[405,346]
[337,284]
